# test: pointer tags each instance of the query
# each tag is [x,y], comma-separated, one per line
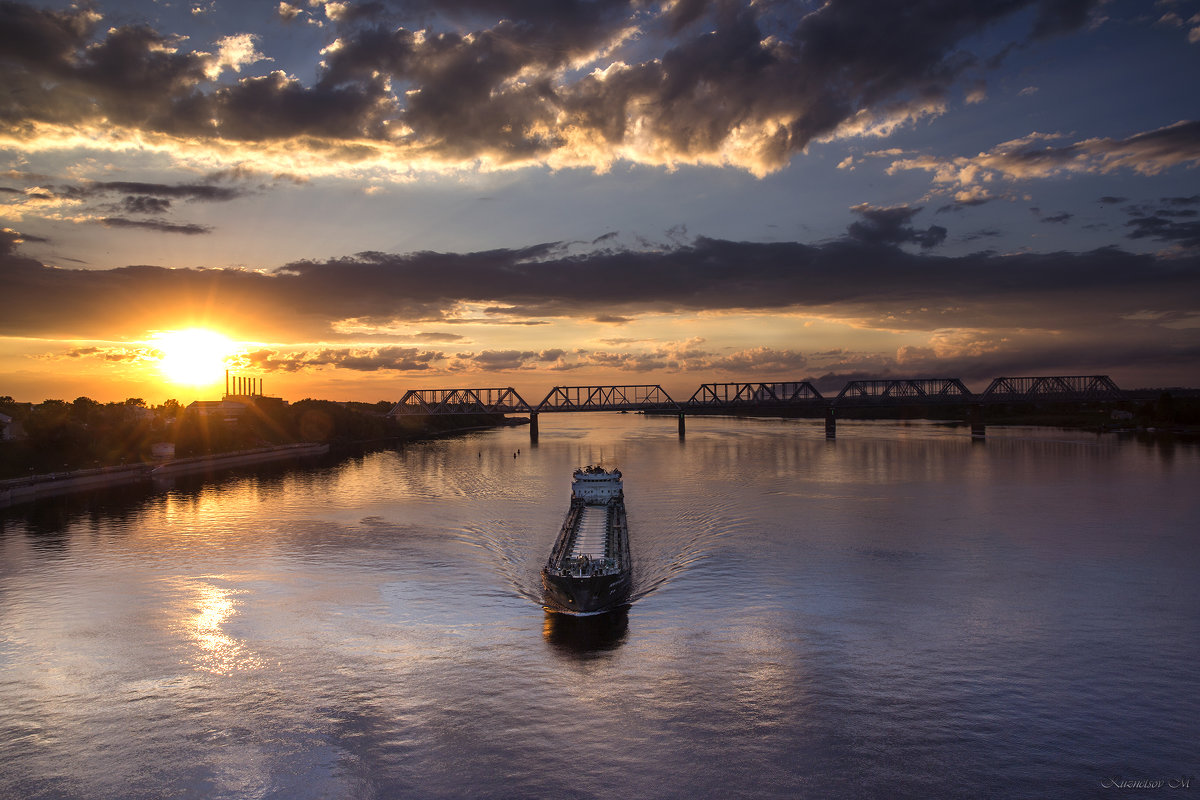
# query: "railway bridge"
[765,398]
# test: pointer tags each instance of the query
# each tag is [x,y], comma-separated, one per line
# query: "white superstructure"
[596,485]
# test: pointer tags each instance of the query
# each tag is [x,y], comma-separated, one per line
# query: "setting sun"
[193,357]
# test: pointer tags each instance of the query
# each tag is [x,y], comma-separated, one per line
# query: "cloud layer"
[142,130]
[570,82]
[1018,310]
[1146,153]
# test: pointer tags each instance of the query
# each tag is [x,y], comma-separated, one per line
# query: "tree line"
[57,436]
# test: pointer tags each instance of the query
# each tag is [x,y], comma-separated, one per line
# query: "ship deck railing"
[582,555]
[585,568]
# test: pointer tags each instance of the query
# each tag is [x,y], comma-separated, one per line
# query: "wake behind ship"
[589,571]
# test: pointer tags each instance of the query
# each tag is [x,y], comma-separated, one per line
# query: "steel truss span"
[924,389]
[607,398]
[764,396]
[754,395]
[1070,387]
[502,400]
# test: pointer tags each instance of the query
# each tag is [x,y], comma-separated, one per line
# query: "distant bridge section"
[721,396]
[800,396]
[503,400]
[607,398]
[1071,388]
[904,391]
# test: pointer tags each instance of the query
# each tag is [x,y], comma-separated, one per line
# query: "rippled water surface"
[898,613]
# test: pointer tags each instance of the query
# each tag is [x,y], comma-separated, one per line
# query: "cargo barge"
[589,569]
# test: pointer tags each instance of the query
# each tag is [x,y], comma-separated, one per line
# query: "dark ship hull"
[589,569]
[592,595]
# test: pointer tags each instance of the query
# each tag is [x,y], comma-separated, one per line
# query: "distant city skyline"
[349,200]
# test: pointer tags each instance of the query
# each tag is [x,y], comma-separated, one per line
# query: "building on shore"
[227,410]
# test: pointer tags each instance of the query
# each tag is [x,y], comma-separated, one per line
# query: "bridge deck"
[892,392]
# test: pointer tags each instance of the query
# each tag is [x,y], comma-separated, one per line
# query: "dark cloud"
[985,233]
[1110,200]
[685,356]
[760,359]
[1151,151]
[503,80]
[137,77]
[397,359]
[155,199]
[183,191]
[140,204]
[9,239]
[891,226]
[684,12]
[141,198]
[1147,153]
[34,36]
[56,72]
[355,12]
[161,226]
[1185,234]
[1061,16]
[868,281]
[277,106]
[495,360]
[1171,220]
[1060,217]
[965,203]
[111,354]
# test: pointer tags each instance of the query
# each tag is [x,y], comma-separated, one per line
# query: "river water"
[897,613]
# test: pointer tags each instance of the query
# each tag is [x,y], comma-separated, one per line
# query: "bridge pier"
[681,425]
[830,423]
[978,426]
[533,427]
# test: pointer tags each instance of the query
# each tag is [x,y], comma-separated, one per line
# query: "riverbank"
[15,491]
[302,430]
[38,487]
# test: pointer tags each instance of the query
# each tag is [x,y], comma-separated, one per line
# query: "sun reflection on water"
[213,608]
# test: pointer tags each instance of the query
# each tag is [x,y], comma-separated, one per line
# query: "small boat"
[589,570]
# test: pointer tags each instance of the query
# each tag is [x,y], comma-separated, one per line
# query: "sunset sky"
[364,198]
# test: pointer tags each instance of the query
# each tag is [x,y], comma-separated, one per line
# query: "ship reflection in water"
[584,635]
